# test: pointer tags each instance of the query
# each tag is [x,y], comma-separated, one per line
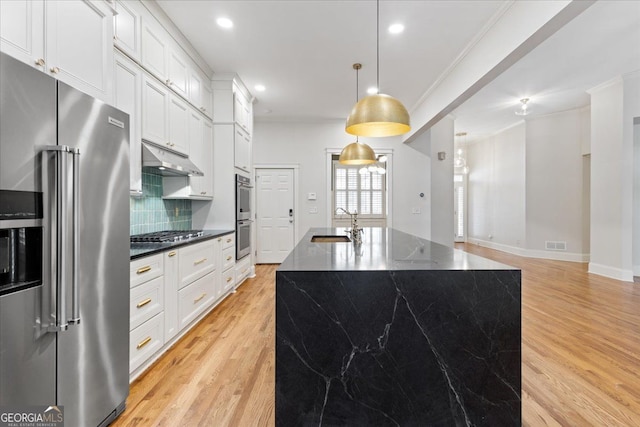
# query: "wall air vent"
[555,245]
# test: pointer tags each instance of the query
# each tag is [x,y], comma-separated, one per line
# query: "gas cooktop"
[166,236]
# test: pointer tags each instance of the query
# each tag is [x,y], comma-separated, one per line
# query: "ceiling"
[303,51]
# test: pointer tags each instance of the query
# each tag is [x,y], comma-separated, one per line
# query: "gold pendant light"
[378,114]
[357,153]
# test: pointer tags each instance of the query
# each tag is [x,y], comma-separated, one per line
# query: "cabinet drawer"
[196,261]
[243,268]
[145,340]
[228,241]
[228,258]
[228,279]
[144,269]
[146,301]
[195,298]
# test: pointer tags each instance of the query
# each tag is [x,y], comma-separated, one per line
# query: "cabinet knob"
[40,62]
[228,258]
[219,239]
[169,82]
[172,254]
[54,70]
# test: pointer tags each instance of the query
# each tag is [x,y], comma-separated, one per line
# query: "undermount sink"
[329,239]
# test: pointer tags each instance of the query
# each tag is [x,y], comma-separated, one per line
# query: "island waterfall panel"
[422,342]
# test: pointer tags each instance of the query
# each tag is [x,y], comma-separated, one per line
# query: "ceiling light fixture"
[378,114]
[523,111]
[357,153]
[396,28]
[260,88]
[225,22]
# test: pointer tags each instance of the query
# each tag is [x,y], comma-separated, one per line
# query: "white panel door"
[275,216]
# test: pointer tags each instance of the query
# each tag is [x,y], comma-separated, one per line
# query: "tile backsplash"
[150,213]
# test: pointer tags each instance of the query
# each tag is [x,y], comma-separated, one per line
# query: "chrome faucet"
[356,232]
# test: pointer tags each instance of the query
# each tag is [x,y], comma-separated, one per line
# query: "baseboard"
[612,272]
[532,253]
[636,270]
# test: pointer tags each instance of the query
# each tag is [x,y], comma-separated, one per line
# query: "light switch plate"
[311,196]
[313,210]
[415,210]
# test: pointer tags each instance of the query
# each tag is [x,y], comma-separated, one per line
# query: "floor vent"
[555,246]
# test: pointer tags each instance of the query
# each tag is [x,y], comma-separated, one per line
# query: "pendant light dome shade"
[378,115]
[357,154]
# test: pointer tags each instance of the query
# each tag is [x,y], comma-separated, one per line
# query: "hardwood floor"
[580,354]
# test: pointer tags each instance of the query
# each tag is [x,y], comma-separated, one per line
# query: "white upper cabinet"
[76,47]
[178,125]
[22,31]
[155,103]
[201,147]
[126,29]
[165,116]
[207,101]
[154,50]
[127,96]
[241,111]
[195,88]
[178,76]
[242,149]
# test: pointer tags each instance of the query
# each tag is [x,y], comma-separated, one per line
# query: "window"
[358,189]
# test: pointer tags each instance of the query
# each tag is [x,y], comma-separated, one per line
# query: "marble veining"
[398,347]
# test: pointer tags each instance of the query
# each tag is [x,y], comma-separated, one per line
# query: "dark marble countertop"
[139,250]
[381,249]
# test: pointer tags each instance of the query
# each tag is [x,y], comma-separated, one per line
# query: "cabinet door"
[154,49]
[79,48]
[22,31]
[195,150]
[202,186]
[171,326]
[127,96]
[155,102]
[238,109]
[178,76]
[207,101]
[195,88]
[126,29]
[242,150]
[178,125]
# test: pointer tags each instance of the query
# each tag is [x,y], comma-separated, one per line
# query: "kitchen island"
[397,331]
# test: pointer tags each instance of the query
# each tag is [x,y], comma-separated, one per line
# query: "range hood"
[167,162]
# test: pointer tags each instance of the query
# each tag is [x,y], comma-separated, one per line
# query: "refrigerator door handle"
[58,288]
[75,291]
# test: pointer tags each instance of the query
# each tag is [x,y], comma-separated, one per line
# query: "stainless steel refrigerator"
[64,248]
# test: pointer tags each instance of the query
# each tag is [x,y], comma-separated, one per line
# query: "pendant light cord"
[378,45]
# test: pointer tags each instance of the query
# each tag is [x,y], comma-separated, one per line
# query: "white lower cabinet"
[195,298]
[171,291]
[146,301]
[145,340]
[171,280]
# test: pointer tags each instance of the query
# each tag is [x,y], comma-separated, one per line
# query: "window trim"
[329,187]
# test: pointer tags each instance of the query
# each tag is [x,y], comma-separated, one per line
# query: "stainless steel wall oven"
[243,216]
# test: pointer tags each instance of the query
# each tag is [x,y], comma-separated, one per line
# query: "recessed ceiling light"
[396,28]
[372,90]
[260,88]
[225,22]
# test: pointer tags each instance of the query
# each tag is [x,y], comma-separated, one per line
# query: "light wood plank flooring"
[580,355]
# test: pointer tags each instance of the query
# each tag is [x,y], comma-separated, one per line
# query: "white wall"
[613,108]
[305,144]
[442,221]
[554,181]
[496,192]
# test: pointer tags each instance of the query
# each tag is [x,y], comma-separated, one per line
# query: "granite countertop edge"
[141,250]
[383,249]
